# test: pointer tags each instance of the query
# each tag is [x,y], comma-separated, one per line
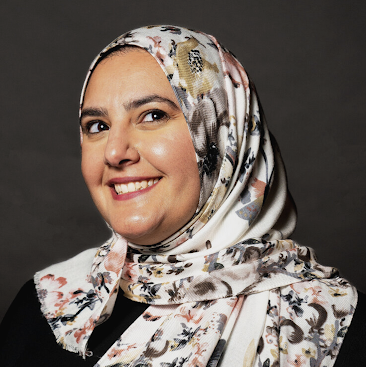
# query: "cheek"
[175,157]
[91,166]
[184,156]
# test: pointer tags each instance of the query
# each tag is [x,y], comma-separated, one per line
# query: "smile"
[134,186]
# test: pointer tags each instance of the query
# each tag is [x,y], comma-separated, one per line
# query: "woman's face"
[138,159]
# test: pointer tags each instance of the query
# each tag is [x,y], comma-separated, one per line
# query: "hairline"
[119,50]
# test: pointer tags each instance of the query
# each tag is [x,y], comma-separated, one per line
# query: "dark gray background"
[307,59]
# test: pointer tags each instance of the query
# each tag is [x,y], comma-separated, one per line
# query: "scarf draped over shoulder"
[229,288]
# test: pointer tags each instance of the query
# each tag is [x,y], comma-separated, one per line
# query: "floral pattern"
[228,288]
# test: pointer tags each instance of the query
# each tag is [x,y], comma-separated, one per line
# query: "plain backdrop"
[307,59]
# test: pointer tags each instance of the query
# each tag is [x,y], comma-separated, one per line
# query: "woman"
[178,160]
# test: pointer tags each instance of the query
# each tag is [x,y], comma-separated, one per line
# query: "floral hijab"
[229,287]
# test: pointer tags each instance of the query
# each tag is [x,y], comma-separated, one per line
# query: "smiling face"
[138,159]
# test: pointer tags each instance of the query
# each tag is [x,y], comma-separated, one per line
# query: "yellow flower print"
[280,245]
[336,292]
[274,353]
[205,268]
[285,244]
[191,63]
[298,267]
[136,298]
[250,355]
[329,331]
[158,272]
[208,208]
[283,346]
[309,352]
[233,120]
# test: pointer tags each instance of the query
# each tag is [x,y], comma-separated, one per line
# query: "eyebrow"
[148,99]
[92,111]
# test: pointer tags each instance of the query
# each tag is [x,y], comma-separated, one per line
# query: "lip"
[129,195]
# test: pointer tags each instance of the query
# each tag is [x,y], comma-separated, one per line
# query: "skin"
[133,127]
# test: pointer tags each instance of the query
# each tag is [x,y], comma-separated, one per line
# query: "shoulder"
[24,303]
[24,331]
[22,322]
[27,339]
[26,336]
[353,352]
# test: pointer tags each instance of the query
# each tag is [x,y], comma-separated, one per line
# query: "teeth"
[124,188]
[134,186]
[131,187]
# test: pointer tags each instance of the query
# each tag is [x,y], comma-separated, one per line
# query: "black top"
[26,339]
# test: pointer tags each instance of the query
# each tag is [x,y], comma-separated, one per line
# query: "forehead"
[127,74]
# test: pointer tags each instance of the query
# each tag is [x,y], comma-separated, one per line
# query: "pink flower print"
[156,41]
[234,70]
[49,281]
[259,187]
[115,259]
[314,292]
[49,287]
[117,352]
[156,44]
[129,272]
[89,325]
[65,300]
[198,359]
[191,315]
[298,361]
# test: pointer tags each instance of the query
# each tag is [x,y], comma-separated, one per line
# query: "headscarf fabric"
[229,287]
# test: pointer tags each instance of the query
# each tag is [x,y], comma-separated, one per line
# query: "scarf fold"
[229,287]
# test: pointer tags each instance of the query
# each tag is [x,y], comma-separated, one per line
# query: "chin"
[138,233]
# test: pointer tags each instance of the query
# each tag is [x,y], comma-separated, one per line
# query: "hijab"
[228,287]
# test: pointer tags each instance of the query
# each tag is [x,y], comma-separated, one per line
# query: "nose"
[120,149]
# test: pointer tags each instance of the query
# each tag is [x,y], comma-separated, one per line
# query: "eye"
[94,127]
[155,116]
